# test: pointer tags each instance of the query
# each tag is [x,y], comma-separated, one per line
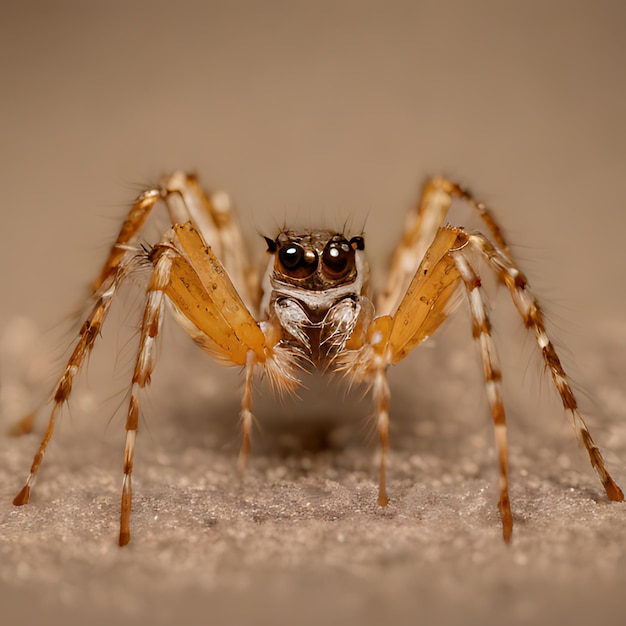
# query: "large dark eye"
[296,261]
[338,258]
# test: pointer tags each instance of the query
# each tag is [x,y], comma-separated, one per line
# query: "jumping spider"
[312,308]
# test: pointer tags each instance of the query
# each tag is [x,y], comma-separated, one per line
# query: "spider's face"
[316,260]
[316,289]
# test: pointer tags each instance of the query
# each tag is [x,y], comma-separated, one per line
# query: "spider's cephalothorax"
[315,307]
[316,291]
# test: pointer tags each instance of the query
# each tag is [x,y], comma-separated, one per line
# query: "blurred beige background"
[300,108]
[310,111]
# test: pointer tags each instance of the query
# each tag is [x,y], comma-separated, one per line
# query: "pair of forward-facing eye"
[337,258]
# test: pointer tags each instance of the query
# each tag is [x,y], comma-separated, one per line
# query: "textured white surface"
[300,536]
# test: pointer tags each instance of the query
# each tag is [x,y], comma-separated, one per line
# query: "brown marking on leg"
[246,415]
[382,399]
[530,312]
[144,366]
[420,229]
[481,209]
[493,376]
[612,489]
[135,219]
[86,340]
[213,217]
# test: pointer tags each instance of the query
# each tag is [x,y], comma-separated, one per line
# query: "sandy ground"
[300,536]
[307,112]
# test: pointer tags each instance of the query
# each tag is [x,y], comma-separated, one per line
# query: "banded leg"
[186,202]
[420,230]
[133,223]
[144,366]
[246,415]
[527,306]
[206,305]
[481,331]
[103,290]
[213,217]
[86,339]
[428,301]
[381,399]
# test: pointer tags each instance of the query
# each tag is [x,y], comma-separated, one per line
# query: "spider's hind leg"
[213,216]
[86,339]
[103,290]
[207,306]
[420,229]
[528,308]
[481,331]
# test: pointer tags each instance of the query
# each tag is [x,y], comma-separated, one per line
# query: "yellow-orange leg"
[179,275]
[133,223]
[428,301]
[207,307]
[381,400]
[389,339]
[527,306]
[246,414]
[103,289]
[420,230]
[481,331]
[212,216]
[144,366]
[186,202]
[88,333]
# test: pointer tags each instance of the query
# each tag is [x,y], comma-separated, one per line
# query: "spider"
[312,309]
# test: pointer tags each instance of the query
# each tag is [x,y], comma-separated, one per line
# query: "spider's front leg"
[87,337]
[427,302]
[103,290]
[206,304]
[532,316]
[186,201]
[210,310]
[424,240]
[448,265]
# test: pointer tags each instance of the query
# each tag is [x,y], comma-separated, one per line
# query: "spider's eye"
[296,261]
[291,256]
[338,258]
